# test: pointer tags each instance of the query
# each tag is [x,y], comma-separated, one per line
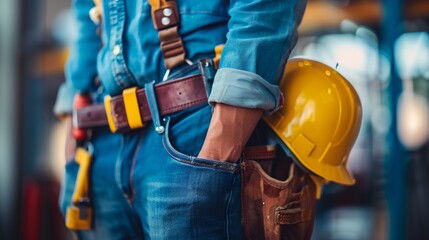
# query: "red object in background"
[32,200]
[80,100]
[42,219]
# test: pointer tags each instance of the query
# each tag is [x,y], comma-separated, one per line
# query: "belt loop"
[153,106]
[109,116]
[132,108]
[207,68]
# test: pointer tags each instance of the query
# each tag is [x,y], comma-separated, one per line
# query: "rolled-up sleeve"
[80,69]
[261,36]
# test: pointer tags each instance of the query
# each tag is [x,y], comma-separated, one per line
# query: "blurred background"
[381,46]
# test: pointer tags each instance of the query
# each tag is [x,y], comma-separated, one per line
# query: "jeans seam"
[228,203]
[195,161]
[118,166]
[118,178]
[133,193]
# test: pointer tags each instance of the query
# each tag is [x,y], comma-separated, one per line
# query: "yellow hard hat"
[320,119]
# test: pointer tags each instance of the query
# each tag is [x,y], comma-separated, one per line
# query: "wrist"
[229,130]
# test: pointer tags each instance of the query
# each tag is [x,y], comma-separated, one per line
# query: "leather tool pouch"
[278,199]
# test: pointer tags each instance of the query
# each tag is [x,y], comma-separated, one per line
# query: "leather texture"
[172,47]
[172,96]
[165,17]
[278,199]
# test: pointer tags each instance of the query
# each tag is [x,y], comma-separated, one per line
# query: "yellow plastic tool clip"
[108,109]
[132,108]
[79,216]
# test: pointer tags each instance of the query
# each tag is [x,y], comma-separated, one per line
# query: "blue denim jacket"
[258,35]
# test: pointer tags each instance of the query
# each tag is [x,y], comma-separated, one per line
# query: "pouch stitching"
[281,184]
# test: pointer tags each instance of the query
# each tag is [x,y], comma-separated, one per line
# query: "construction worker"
[162,163]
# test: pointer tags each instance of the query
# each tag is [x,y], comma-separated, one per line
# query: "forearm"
[261,36]
[229,130]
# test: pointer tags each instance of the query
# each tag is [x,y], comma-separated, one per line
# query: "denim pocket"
[188,135]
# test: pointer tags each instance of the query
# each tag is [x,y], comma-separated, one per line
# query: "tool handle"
[81,191]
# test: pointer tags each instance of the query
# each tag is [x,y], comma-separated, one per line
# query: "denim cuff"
[244,89]
[64,102]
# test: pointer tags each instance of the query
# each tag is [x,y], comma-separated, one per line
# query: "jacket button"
[116,50]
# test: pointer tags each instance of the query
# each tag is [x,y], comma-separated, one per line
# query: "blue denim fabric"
[147,185]
[258,37]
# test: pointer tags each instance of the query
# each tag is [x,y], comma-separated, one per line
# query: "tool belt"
[278,198]
[172,96]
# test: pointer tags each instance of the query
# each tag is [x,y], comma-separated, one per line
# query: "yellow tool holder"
[80,215]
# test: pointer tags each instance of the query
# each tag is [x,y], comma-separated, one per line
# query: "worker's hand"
[230,128]
[70,146]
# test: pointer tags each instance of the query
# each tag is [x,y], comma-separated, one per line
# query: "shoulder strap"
[165,17]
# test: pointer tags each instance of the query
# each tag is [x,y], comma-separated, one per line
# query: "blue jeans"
[151,186]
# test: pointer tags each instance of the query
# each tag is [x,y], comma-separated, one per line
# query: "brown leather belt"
[172,96]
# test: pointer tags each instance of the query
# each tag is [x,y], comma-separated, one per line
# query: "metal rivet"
[116,50]
[167,12]
[165,21]
[159,129]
